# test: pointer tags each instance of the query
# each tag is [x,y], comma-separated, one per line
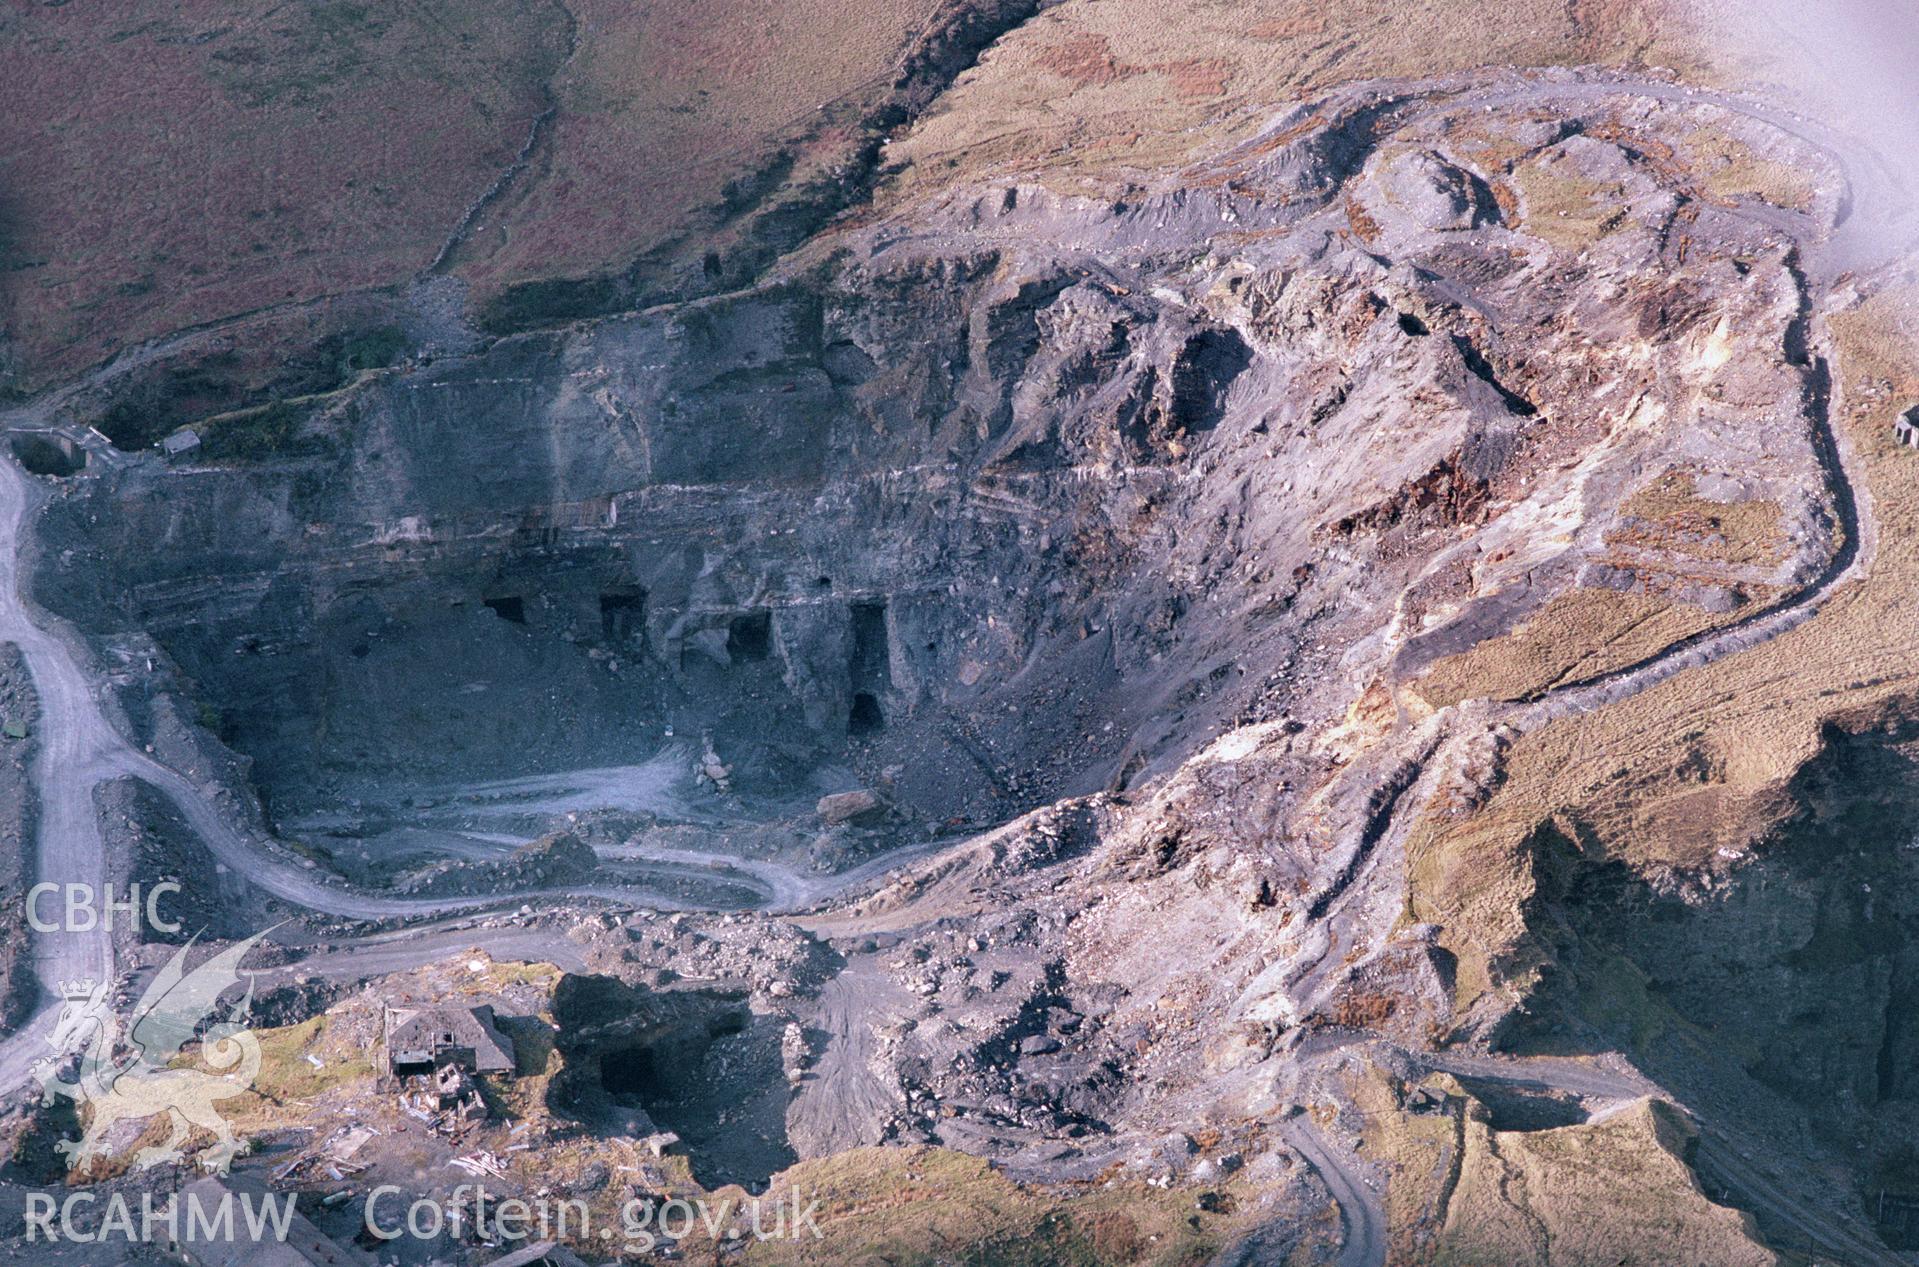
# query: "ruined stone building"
[420,1040]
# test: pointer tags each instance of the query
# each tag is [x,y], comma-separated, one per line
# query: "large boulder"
[857,807]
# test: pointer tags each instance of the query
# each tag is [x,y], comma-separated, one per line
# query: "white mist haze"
[1852,65]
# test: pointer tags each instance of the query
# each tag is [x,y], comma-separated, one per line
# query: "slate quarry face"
[1013,493]
[1191,534]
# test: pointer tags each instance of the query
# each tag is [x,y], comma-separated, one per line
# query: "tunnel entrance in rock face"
[750,636]
[666,1072]
[719,1085]
[870,673]
[622,617]
[631,1072]
[510,607]
[49,454]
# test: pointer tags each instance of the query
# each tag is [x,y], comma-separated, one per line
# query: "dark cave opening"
[750,636]
[666,1074]
[49,455]
[869,672]
[1207,367]
[869,643]
[508,607]
[717,1082]
[865,717]
[622,616]
[634,1072]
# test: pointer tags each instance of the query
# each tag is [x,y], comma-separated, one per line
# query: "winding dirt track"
[72,738]
[80,748]
[1362,1214]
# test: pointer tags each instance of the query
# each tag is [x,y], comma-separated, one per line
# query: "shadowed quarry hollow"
[702,1067]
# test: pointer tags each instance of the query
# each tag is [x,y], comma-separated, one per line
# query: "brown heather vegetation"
[1628,773]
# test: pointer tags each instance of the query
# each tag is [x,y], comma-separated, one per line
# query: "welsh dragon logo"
[146,1082]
